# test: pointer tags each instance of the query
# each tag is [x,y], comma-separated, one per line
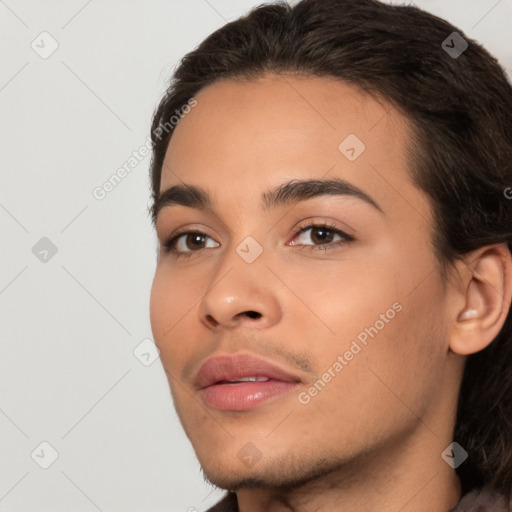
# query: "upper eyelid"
[305,224]
[226,228]
[322,224]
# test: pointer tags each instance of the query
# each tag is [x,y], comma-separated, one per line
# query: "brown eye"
[183,244]
[194,241]
[321,235]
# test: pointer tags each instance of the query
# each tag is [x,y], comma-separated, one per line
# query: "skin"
[372,438]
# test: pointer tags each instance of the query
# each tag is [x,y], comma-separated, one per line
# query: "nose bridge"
[236,292]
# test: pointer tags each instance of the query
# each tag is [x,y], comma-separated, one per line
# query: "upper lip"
[232,367]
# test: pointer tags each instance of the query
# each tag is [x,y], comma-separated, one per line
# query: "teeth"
[250,379]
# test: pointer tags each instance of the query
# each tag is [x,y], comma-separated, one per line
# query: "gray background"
[71,322]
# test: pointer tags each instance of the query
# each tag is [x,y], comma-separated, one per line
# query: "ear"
[483,298]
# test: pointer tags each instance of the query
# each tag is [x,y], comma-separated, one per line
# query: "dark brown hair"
[460,108]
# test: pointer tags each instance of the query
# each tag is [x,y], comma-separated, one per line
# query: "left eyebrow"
[293,191]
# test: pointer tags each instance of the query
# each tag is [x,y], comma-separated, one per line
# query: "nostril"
[211,320]
[252,314]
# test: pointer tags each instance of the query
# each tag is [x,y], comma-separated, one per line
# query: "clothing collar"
[485,499]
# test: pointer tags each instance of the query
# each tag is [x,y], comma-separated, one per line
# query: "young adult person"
[332,295]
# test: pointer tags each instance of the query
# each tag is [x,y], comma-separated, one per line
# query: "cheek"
[378,312]
[160,307]
[377,383]
[171,303]
[339,299]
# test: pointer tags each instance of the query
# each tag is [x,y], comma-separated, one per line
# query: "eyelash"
[169,244]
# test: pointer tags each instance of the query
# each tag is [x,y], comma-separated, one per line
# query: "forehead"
[280,127]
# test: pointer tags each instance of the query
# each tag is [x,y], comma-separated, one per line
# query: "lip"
[212,377]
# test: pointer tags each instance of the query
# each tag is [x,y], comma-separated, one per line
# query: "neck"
[408,475]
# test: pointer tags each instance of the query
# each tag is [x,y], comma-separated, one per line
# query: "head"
[348,116]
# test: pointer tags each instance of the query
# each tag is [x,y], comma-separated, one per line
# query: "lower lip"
[244,395]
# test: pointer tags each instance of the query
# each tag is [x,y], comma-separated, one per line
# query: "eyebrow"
[291,192]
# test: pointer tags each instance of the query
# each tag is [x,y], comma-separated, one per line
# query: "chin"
[230,483]
[284,473]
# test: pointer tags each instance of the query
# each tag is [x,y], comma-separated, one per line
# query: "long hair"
[459,104]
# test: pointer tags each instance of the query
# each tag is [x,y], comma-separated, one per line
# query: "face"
[306,275]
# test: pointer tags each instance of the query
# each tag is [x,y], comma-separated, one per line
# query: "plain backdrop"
[78,394]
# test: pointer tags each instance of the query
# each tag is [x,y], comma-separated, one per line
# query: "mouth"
[241,382]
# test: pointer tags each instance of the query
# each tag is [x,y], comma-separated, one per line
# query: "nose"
[238,296]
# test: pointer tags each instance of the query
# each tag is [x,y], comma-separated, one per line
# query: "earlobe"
[486,302]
